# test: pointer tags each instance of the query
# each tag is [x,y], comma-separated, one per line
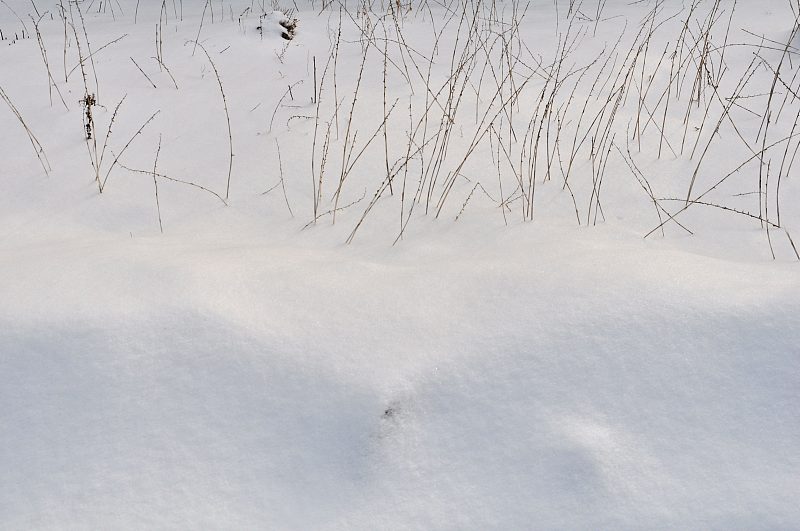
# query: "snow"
[244,370]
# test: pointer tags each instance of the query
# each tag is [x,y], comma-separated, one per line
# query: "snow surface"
[243,370]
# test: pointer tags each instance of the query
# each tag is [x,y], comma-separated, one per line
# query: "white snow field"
[432,265]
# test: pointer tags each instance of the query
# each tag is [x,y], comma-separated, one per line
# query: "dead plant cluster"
[463,112]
